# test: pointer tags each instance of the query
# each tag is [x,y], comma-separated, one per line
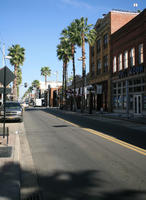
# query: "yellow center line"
[110,138]
[107,137]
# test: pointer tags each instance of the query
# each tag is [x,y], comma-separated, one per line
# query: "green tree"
[73,34]
[19,79]
[88,34]
[64,54]
[36,84]
[28,91]
[17,54]
[45,71]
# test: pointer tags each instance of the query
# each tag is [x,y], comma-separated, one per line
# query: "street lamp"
[91,90]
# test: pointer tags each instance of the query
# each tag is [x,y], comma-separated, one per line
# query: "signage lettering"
[131,71]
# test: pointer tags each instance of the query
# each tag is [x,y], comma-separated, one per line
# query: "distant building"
[128,64]
[50,92]
[100,55]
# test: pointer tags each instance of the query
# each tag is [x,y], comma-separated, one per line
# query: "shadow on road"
[126,134]
[63,185]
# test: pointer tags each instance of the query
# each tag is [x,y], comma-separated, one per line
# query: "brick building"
[128,61]
[99,56]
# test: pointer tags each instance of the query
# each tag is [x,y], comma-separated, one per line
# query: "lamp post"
[91,90]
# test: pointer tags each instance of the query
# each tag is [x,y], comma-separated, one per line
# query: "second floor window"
[98,45]
[98,66]
[105,40]
[140,53]
[132,57]
[120,62]
[125,59]
[114,64]
[105,63]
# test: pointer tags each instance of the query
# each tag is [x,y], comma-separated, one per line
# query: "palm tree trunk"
[74,77]
[83,72]
[65,82]
[15,84]
[63,76]
[45,82]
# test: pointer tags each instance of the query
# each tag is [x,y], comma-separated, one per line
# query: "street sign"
[9,75]
[8,90]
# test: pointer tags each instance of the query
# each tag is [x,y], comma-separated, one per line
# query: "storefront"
[128,66]
[129,94]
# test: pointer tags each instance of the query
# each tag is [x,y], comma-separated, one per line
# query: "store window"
[120,62]
[131,102]
[132,57]
[125,59]
[140,53]
[114,64]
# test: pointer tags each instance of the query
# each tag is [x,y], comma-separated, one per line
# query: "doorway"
[137,104]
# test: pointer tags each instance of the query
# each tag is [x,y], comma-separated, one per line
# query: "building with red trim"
[100,58]
[128,63]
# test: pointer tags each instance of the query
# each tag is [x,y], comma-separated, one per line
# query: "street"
[79,157]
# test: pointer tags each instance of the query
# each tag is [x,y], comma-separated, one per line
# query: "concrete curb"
[98,115]
[29,180]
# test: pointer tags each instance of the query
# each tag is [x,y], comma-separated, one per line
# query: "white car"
[13,111]
[24,105]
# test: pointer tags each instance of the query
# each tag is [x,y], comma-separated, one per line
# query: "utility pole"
[3,59]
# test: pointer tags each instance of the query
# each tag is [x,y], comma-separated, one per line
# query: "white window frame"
[126,59]
[140,53]
[114,64]
[120,62]
[132,57]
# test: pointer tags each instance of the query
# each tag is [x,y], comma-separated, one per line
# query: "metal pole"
[4,101]
[7,135]
[127,97]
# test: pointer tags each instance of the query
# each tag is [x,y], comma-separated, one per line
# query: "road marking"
[110,138]
[107,137]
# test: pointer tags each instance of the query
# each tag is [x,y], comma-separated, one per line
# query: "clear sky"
[36,25]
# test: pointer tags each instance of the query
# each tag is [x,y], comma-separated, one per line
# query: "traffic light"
[25,85]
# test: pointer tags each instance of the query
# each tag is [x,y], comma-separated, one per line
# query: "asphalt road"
[75,161]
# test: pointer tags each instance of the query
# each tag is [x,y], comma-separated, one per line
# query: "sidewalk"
[18,179]
[117,116]
[123,116]
[9,166]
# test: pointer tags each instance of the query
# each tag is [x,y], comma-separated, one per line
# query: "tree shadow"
[60,185]
[126,134]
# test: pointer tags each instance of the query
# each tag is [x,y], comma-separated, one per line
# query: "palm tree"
[17,54]
[19,79]
[72,33]
[29,90]
[45,71]
[36,84]
[64,54]
[87,35]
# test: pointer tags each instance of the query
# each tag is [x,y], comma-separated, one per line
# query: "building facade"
[99,57]
[128,61]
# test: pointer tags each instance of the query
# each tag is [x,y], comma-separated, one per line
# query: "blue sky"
[36,25]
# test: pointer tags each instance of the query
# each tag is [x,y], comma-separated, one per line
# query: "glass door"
[137,104]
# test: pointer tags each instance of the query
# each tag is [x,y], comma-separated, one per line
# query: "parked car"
[24,105]
[13,111]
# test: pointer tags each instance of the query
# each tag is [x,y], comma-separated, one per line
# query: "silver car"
[14,111]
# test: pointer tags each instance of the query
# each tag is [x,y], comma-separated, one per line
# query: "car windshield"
[12,105]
